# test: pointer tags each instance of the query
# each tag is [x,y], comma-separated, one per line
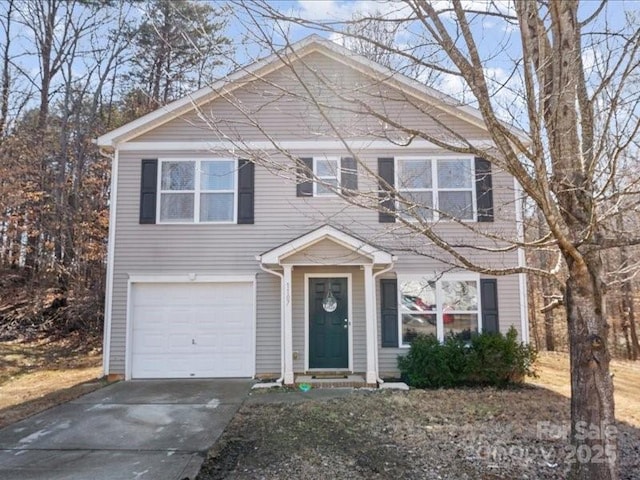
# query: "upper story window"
[327,171]
[197,191]
[326,176]
[436,188]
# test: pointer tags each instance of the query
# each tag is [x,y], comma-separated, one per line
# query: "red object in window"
[421,305]
[447,317]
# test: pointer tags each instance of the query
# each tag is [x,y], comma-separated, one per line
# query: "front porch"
[328,317]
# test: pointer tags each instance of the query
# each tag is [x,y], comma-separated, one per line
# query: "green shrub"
[479,359]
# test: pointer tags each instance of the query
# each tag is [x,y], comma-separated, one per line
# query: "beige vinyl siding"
[509,303]
[279,217]
[357,305]
[268,344]
[326,252]
[277,106]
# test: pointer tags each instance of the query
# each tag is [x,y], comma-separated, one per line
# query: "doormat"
[329,377]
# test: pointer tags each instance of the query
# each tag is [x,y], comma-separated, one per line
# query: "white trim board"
[108,307]
[239,147]
[522,277]
[349,277]
[189,278]
[276,255]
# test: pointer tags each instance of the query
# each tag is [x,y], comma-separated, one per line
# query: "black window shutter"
[386,172]
[489,297]
[349,175]
[148,190]
[305,182]
[389,311]
[484,190]
[246,188]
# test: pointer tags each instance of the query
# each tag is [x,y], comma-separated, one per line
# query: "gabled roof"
[312,43]
[299,244]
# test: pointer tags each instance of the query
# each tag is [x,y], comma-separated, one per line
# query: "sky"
[498,41]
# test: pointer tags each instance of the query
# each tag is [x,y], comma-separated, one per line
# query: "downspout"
[278,274]
[375,306]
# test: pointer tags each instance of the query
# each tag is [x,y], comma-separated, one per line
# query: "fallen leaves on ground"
[430,434]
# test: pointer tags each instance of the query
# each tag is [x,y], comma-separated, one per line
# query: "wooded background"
[73,70]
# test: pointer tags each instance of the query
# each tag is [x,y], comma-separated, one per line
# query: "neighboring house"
[220,267]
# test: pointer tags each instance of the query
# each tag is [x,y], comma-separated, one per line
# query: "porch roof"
[278,254]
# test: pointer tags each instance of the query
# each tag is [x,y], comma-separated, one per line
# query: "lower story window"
[438,307]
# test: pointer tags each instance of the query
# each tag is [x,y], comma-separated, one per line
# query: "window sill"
[197,223]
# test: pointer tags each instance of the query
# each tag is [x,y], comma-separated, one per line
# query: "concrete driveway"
[150,429]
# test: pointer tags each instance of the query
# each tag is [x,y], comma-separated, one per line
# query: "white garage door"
[191,330]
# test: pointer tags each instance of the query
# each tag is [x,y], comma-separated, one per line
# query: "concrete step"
[333,381]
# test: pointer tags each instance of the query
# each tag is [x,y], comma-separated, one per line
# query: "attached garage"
[192,329]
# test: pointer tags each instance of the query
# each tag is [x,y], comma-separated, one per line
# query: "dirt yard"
[442,434]
[37,375]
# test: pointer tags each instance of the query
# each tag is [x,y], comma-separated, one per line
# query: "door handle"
[193,341]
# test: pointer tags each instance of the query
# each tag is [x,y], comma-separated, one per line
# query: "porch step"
[333,381]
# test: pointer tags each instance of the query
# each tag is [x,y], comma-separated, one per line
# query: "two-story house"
[228,258]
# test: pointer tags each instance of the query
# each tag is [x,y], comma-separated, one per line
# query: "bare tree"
[579,121]
[177,46]
[6,64]
[63,65]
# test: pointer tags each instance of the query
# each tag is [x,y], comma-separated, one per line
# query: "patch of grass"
[35,376]
[553,371]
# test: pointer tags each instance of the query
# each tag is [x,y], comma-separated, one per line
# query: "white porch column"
[288,327]
[370,320]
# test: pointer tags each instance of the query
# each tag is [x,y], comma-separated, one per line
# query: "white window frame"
[438,279]
[197,191]
[435,190]
[319,178]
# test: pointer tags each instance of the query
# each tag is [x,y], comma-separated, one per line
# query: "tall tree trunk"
[569,120]
[6,78]
[634,332]
[545,286]
[594,441]
[531,294]
[627,340]
[549,339]
[48,10]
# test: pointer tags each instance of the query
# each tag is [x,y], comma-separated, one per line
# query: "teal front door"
[328,323]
